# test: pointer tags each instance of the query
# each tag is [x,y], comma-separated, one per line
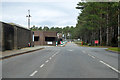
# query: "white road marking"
[70,50]
[110,66]
[33,73]
[52,55]
[93,57]
[105,64]
[83,51]
[47,61]
[42,65]
[50,58]
[89,54]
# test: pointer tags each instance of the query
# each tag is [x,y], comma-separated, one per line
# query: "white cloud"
[51,14]
[40,0]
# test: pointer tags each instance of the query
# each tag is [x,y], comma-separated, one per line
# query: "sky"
[51,13]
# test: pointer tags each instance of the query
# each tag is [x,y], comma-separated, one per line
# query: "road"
[71,61]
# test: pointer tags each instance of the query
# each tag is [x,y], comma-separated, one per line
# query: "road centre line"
[42,65]
[53,55]
[70,50]
[89,54]
[109,66]
[47,61]
[93,57]
[83,51]
[33,73]
[50,58]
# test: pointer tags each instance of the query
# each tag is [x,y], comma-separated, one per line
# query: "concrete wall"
[49,34]
[41,40]
[1,36]
[14,37]
[42,35]
[8,37]
[24,36]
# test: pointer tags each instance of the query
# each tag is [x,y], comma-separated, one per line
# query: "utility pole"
[28,19]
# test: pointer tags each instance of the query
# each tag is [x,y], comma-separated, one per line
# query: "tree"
[34,28]
[40,28]
[97,21]
[45,28]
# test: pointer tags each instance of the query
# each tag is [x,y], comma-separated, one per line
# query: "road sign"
[96,41]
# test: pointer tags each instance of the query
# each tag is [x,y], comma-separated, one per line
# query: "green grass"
[78,43]
[114,49]
[95,46]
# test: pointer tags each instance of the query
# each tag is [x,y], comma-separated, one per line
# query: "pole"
[28,19]
[28,23]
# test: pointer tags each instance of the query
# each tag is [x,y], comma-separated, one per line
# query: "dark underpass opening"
[36,38]
[49,38]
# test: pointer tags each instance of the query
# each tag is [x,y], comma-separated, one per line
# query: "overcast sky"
[57,13]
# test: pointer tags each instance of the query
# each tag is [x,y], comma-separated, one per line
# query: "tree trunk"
[118,28]
[100,35]
[107,32]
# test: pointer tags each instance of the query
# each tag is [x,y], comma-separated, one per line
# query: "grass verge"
[116,49]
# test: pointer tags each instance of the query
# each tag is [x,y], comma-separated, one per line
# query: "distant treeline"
[68,31]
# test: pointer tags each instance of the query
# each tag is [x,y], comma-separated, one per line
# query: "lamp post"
[28,16]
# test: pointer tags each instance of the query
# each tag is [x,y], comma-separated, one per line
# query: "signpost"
[56,43]
[61,42]
[96,42]
[81,42]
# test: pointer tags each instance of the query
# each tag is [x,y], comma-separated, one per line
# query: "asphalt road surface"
[71,61]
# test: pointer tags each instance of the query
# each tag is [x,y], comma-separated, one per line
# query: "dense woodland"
[96,21]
